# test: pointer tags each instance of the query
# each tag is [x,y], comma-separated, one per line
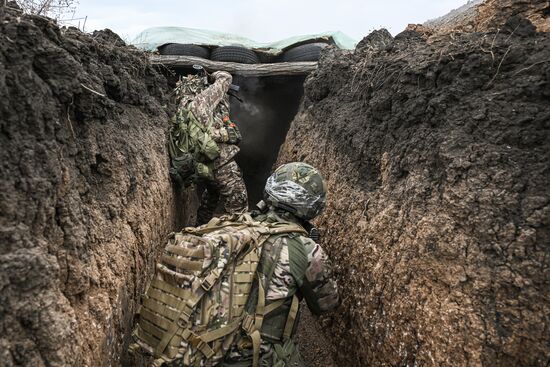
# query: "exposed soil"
[316,349]
[436,154]
[490,15]
[85,199]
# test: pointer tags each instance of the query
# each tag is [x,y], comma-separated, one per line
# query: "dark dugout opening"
[268,106]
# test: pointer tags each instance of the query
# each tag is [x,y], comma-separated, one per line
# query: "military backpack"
[192,148]
[198,302]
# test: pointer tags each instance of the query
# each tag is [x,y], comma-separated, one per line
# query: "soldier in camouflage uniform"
[210,106]
[228,293]
[293,267]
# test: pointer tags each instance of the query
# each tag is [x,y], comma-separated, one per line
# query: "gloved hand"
[234,135]
[222,75]
[314,234]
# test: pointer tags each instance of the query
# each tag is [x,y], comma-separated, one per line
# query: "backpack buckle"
[197,342]
[248,324]
[206,285]
[182,322]
[209,281]
[205,349]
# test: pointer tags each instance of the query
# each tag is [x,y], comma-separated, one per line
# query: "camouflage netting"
[436,153]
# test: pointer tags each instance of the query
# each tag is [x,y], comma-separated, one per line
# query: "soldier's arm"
[205,102]
[318,285]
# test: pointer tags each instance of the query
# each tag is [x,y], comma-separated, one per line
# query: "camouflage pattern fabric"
[318,277]
[228,188]
[297,187]
[204,278]
[316,284]
[210,106]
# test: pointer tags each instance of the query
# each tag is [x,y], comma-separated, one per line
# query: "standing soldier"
[209,106]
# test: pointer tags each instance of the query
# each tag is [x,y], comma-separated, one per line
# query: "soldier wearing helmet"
[222,177]
[292,267]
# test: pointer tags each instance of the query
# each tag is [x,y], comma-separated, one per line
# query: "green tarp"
[151,38]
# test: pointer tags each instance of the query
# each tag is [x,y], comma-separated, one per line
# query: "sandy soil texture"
[490,15]
[436,155]
[85,199]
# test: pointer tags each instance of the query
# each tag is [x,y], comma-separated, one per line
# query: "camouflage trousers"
[226,189]
[276,355]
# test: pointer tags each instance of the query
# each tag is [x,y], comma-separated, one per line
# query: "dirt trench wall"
[85,199]
[490,15]
[436,156]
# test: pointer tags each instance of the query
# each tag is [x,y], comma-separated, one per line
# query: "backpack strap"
[217,223]
[298,266]
[281,228]
[274,232]
[291,318]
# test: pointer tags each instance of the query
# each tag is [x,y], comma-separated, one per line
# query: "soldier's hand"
[314,234]
[234,135]
[222,75]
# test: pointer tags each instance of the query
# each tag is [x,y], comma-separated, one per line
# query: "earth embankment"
[436,154]
[85,198]
[490,15]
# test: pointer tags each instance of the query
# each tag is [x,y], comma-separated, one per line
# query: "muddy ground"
[85,199]
[436,154]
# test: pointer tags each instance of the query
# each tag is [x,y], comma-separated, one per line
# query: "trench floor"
[316,349]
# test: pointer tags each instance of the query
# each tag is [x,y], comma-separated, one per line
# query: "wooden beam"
[281,68]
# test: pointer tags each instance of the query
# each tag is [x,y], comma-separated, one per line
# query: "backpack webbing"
[167,311]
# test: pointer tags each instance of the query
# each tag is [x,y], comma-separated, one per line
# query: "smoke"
[264,116]
[269,105]
[251,109]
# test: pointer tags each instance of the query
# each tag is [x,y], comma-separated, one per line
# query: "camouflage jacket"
[211,107]
[316,285]
[322,293]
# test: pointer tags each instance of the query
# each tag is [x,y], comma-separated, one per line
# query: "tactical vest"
[191,146]
[199,301]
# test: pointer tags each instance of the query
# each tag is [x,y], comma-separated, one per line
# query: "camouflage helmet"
[297,188]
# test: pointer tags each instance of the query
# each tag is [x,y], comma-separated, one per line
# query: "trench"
[436,160]
[264,111]
[268,107]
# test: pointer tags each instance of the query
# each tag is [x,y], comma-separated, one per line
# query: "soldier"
[228,293]
[210,107]
[292,266]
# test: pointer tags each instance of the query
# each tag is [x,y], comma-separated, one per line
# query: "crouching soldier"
[228,293]
[212,140]
[292,266]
